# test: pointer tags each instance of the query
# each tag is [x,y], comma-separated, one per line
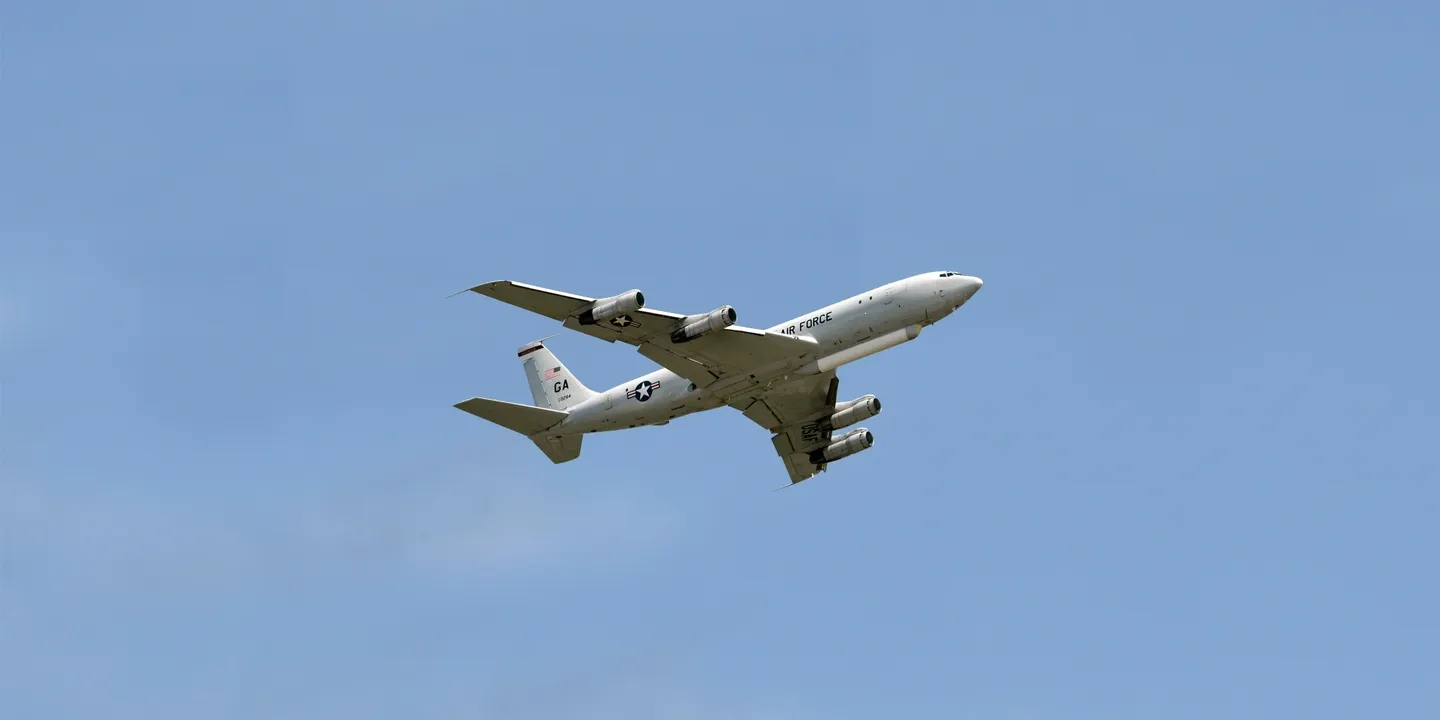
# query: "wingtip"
[478,289]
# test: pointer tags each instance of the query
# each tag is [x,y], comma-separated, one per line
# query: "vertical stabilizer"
[552,385]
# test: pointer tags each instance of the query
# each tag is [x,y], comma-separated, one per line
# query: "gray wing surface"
[793,412]
[731,354]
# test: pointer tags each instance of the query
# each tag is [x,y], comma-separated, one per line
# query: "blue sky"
[1177,459]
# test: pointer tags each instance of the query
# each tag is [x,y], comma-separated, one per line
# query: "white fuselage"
[842,332]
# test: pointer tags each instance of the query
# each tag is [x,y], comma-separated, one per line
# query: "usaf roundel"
[643,391]
[623,321]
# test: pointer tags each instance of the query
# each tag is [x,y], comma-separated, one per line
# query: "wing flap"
[596,331]
[793,413]
[762,415]
[797,465]
[685,367]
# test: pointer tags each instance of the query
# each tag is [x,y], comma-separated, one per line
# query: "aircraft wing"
[733,351]
[793,411]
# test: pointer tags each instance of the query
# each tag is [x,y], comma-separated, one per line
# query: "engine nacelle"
[697,325]
[850,443]
[849,413]
[613,307]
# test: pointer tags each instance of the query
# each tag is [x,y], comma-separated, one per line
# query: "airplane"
[783,378]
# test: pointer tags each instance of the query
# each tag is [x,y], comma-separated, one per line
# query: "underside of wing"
[705,349]
[794,412]
[734,353]
[550,303]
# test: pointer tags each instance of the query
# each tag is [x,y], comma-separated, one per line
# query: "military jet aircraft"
[783,378]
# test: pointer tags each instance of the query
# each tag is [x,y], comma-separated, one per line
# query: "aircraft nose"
[970,285]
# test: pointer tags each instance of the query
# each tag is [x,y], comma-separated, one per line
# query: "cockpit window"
[948,274]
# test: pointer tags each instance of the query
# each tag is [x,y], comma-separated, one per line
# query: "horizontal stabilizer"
[560,449]
[524,419]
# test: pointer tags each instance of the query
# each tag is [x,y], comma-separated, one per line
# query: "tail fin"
[552,385]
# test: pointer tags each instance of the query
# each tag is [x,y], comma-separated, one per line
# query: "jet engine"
[849,413]
[850,443]
[697,325]
[612,307]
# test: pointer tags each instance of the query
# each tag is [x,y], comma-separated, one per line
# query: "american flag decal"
[552,372]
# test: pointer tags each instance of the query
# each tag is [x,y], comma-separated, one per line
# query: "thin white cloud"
[457,527]
[12,307]
[1416,196]
[11,315]
[45,275]
[639,686]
